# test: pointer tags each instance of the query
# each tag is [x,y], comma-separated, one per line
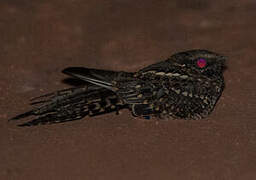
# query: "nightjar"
[185,86]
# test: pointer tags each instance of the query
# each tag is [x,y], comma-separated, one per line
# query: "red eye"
[201,63]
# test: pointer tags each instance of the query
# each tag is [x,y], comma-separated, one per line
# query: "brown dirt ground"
[40,38]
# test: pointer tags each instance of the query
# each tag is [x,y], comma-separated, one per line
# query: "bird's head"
[201,62]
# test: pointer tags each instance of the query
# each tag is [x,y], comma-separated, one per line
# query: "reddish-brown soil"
[40,38]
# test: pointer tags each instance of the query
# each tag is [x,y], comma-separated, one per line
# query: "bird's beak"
[223,60]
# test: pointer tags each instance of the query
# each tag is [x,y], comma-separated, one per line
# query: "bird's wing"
[158,67]
[135,92]
[101,78]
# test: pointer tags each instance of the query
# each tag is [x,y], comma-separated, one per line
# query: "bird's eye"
[201,63]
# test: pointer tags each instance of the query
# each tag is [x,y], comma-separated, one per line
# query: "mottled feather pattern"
[186,86]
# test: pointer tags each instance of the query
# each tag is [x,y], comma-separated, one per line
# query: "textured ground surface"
[40,38]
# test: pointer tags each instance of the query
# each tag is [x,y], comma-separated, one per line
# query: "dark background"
[40,38]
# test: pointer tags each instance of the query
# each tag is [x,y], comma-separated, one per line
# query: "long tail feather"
[23,115]
[71,104]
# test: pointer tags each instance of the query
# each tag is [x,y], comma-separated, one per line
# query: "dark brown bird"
[186,86]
